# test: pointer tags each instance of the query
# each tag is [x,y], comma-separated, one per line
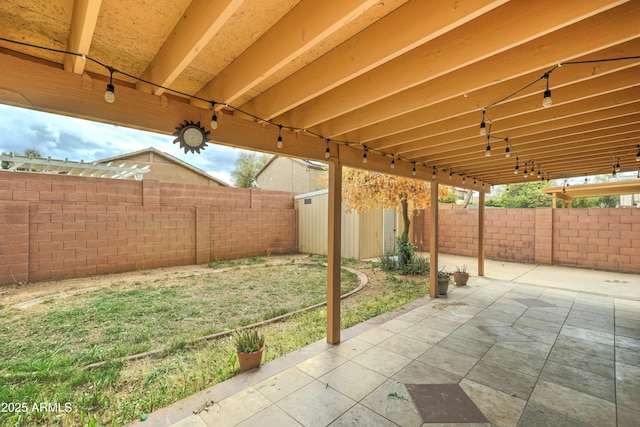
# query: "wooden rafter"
[83,24]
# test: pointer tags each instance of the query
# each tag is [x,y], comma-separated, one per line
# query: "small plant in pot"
[460,275]
[250,346]
[443,281]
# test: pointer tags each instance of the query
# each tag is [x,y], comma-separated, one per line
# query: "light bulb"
[487,152]
[110,95]
[546,100]
[483,128]
[638,157]
[364,157]
[507,152]
[515,170]
[413,172]
[450,175]
[525,173]
[464,179]
[327,153]
[279,144]
[393,163]
[214,122]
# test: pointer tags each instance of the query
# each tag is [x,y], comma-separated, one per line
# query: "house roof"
[396,79]
[306,163]
[167,157]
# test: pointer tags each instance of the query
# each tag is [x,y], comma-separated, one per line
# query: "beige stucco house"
[165,168]
[289,174]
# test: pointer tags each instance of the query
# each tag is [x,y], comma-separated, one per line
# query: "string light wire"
[113,71]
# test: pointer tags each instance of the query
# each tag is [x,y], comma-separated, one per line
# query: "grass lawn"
[46,347]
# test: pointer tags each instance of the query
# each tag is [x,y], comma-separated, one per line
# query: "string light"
[327,152]
[539,172]
[546,100]
[475,183]
[507,151]
[413,172]
[393,162]
[110,93]
[435,172]
[618,164]
[487,151]
[450,173]
[483,125]
[464,179]
[214,118]
[515,170]
[110,97]
[279,144]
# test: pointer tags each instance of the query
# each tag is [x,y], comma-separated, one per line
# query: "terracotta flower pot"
[250,360]
[461,278]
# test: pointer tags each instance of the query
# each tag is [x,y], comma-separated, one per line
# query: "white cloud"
[76,139]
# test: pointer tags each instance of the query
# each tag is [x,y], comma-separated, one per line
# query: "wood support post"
[433,241]
[333,252]
[481,234]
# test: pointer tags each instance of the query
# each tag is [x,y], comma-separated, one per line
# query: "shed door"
[389,230]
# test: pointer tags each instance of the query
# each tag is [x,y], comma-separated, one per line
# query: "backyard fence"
[59,227]
[600,238]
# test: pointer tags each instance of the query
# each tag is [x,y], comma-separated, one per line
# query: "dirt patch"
[11,295]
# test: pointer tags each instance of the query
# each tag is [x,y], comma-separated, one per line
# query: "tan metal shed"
[364,235]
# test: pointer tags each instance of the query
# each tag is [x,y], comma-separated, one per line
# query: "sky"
[66,137]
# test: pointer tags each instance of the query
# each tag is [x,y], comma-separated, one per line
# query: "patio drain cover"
[534,302]
[444,403]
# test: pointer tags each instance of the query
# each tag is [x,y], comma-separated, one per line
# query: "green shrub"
[419,266]
[387,262]
[405,251]
[248,341]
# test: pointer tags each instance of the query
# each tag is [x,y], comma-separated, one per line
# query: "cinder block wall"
[604,239]
[56,227]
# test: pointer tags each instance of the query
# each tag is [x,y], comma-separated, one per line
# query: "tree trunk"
[405,219]
[467,199]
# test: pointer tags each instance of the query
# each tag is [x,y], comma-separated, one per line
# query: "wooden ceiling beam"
[411,25]
[455,139]
[461,105]
[461,47]
[302,28]
[566,44]
[570,160]
[509,118]
[197,26]
[83,25]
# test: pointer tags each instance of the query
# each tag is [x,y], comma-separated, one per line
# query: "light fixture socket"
[487,151]
[546,100]
[109,94]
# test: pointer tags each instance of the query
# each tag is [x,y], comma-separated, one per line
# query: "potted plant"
[250,346]
[460,275]
[443,281]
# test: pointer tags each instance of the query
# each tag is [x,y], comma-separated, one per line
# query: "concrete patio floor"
[526,345]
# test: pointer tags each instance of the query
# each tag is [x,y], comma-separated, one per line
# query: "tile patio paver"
[565,358]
